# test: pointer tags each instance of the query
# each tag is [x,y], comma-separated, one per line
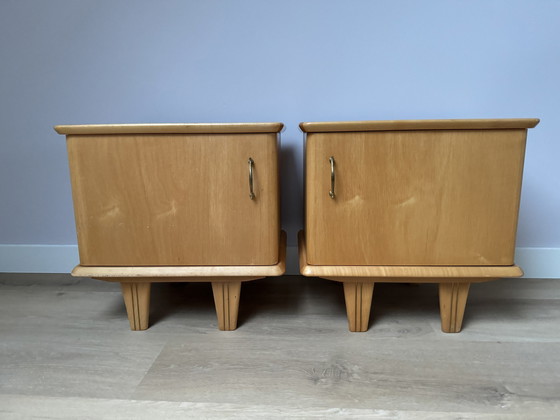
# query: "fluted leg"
[137,301]
[452,301]
[358,298]
[226,299]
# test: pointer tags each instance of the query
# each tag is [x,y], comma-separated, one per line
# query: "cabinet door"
[446,197]
[175,199]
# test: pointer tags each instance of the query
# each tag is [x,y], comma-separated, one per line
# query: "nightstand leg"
[358,298]
[452,301]
[226,299]
[137,301]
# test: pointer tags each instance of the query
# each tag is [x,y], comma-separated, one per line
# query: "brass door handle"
[331,192]
[251,192]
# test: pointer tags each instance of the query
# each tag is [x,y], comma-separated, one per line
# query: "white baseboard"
[536,262]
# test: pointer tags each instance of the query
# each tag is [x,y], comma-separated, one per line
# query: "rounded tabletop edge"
[449,124]
[194,128]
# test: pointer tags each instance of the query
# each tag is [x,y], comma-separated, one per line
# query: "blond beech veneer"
[175,199]
[417,201]
[172,202]
[447,197]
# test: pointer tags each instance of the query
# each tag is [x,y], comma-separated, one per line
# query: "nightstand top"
[195,128]
[397,125]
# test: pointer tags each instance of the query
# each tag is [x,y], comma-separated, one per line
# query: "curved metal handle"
[251,193]
[331,192]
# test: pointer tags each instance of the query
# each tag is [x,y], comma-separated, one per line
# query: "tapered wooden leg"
[226,299]
[137,301]
[452,301]
[358,298]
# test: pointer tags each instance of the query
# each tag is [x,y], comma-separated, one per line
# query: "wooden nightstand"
[412,201]
[177,202]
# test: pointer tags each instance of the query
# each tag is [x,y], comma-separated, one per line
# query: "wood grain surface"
[399,274]
[358,297]
[431,197]
[217,128]
[186,273]
[175,199]
[137,302]
[450,124]
[226,301]
[452,302]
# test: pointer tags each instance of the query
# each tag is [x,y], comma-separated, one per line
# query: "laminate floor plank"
[356,371]
[66,351]
[57,345]
[14,407]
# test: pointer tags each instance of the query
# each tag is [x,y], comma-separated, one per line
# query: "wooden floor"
[66,351]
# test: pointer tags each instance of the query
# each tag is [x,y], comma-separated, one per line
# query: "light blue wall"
[72,62]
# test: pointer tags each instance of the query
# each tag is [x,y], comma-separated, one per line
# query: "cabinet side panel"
[175,199]
[441,197]
[76,177]
[316,233]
